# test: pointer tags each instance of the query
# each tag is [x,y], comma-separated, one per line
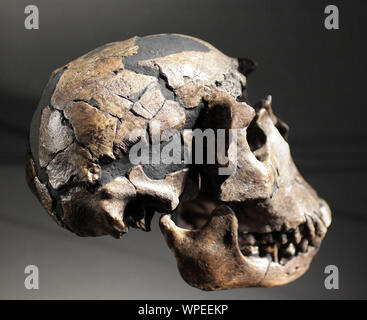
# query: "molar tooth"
[283,239]
[310,227]
[250,250]
[296,236]
[289,251]
[303,245]
[247,239]
[266,238]
[320,229]
[273,251]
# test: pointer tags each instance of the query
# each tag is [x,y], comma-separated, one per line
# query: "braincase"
[91,106]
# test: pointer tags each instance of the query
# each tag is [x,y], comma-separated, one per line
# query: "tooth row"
[282,246]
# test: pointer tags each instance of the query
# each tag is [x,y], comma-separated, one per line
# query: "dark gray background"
[316,77]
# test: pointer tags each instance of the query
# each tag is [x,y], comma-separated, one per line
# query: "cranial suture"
[260,226]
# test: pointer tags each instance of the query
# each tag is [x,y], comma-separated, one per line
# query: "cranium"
[258,226]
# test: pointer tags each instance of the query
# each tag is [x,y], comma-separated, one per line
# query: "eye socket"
[256,137]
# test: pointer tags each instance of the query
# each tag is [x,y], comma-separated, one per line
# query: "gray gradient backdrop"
[316,77]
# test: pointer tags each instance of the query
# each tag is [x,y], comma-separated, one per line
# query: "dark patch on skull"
[156,46]
[161,170]
[117,168]
[192,115]
[36,119]
[165,88]
[122,166]
[140,69]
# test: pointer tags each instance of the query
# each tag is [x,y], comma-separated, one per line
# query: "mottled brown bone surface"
[260,226]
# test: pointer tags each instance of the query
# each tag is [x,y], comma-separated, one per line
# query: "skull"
[260,225]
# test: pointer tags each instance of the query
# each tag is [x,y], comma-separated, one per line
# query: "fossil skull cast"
[260,225]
